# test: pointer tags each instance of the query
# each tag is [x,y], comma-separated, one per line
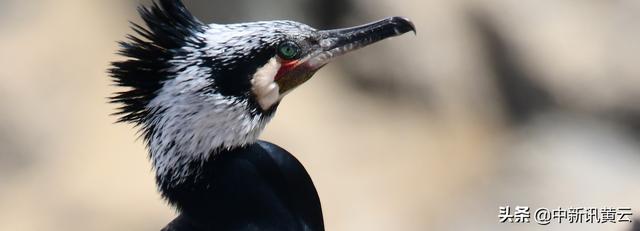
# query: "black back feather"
[170,27]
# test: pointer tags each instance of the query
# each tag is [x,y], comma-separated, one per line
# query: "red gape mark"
[285,67]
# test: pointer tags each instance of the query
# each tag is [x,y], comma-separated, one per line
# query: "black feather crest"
[170,27]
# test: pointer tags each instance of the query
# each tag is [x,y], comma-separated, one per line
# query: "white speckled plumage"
[195,124]
[191,119]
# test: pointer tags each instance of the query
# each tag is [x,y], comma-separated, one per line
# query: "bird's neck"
[181,143]
[186,130]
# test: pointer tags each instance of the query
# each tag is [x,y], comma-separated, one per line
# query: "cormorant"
[202,93]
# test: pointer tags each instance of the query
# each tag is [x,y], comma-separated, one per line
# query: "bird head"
[298,51]
[196,88]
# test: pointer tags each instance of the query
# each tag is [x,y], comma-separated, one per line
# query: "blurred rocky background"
[493,103]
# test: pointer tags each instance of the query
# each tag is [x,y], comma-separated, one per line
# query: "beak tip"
[404,24]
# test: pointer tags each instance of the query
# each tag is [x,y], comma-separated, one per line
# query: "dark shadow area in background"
[15,155]
[319,14]
[630,120]
[523,98]
[329,14]
[219,11]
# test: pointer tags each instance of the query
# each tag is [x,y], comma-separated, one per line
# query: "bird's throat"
[263,85]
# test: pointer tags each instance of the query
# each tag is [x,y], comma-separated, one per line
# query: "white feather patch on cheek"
[266,91]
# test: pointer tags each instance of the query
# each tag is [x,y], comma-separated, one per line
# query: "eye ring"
[289,50]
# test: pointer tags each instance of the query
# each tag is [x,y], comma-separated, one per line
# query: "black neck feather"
[260,186]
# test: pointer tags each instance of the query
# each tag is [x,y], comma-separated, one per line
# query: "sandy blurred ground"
[494,103]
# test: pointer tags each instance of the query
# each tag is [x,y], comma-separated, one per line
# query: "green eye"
[288,50]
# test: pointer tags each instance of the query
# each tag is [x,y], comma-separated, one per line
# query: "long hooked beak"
[341,41]
[334,43]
